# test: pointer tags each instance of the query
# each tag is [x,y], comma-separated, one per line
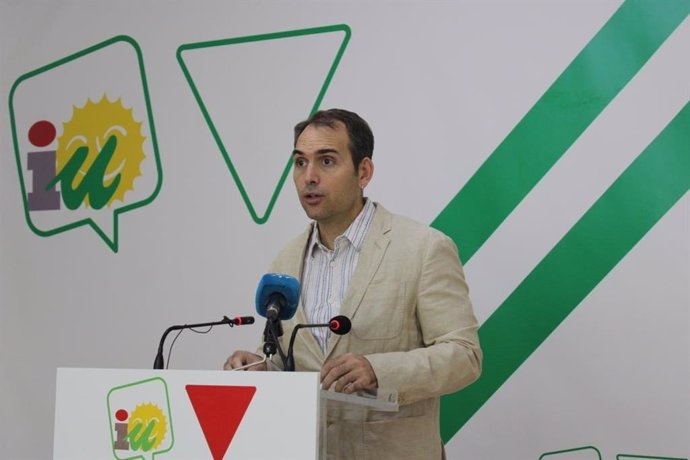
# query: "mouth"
[312,198]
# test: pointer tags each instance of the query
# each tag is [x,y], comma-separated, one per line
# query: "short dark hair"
[361,138]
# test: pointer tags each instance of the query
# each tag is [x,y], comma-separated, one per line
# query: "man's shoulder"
[399,224]
[293,249]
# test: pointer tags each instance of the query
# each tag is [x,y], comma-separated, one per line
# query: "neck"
[329,231]
[328,234]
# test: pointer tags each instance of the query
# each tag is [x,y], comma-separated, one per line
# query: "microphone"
[241,320]
[277,296]
[158,362]
[339,325]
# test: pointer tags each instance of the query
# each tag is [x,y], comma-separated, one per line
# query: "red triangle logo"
[220,410]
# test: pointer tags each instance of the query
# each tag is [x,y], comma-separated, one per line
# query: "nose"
[310,174]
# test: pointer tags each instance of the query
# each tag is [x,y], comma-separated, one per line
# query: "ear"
[366,171]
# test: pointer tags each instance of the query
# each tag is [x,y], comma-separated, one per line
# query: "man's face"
[328,186]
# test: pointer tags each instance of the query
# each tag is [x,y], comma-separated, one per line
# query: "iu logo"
[96,161]
[84,140]
[143,430]
[140,420]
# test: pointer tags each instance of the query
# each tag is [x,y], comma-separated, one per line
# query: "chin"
[310,213]
[314,216]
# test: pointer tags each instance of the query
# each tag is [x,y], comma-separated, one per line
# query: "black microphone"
[242,320]
[340,325]
[236,321]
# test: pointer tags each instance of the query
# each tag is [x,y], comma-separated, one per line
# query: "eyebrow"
[323,151]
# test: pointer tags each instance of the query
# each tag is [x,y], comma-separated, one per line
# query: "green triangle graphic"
[210,54]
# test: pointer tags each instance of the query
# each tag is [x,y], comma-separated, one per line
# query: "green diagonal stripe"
[636,201]
[574,100]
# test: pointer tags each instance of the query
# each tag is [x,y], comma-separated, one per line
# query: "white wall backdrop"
[442,84]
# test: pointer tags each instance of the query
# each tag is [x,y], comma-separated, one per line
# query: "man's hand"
[349,373]
[241,358]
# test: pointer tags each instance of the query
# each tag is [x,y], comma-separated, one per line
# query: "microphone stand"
[272,331]
[290,360]
[339,325]
[158,362]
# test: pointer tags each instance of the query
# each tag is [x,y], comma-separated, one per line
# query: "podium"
[128,414]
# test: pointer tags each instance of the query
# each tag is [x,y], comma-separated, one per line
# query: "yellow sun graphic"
[91,126]
[148,420]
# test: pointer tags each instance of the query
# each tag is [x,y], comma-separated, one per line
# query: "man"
[400,283]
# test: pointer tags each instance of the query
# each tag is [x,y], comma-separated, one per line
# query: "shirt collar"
[355,233]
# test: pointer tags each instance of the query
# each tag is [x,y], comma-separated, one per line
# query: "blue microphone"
[277,296]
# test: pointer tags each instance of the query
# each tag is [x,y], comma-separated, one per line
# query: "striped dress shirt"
[327,273]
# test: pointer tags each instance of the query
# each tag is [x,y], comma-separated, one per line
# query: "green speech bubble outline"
[112,243]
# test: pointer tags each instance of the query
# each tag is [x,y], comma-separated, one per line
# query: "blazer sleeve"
[448,356]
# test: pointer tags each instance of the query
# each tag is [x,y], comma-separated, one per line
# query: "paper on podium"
[358,406]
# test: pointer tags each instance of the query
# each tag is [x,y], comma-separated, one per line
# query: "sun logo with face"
[100,152]
[147,427]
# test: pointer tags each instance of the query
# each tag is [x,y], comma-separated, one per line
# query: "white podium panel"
[127,414]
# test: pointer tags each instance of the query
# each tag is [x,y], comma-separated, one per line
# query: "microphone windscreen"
[276,284]
[340,325]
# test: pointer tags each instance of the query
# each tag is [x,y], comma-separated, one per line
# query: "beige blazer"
[412,319]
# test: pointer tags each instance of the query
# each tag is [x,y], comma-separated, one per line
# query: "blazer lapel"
[371,255]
